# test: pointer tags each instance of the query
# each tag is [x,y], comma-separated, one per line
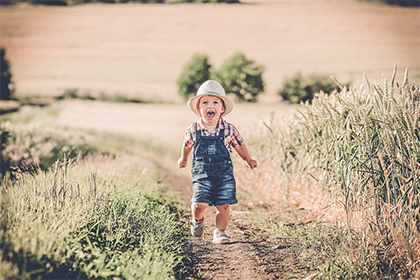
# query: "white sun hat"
[210,87]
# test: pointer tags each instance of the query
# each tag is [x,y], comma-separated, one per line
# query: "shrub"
[31,150]
[408,3]
[242,77]
[301,89]
[196,72]
[6,77]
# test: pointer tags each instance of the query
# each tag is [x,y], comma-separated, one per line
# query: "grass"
[102,215]
[352,158]
[74,223]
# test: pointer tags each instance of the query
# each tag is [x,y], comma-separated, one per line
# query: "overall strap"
[222,134]
[197,131]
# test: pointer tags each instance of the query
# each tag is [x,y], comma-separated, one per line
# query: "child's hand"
[252,163]
[182,163]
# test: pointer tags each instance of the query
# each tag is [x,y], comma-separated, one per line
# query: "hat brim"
[192,103]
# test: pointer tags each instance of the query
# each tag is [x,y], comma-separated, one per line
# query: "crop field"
[139,50]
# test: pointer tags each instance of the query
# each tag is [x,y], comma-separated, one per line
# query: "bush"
[196,72]
[408,3]
[6,77]
[31,150]
[242,77]
[301,89]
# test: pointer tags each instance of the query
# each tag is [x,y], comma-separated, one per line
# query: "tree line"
[78,2]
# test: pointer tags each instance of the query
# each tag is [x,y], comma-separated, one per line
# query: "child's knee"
[223,208]
[199,206]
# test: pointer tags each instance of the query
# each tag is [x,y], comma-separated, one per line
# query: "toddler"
[211,139]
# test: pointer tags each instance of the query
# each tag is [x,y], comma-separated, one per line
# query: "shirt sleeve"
[236,138]
[189,139]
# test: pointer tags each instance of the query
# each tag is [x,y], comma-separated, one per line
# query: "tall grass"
[102,215]
[355,157]
[74,223]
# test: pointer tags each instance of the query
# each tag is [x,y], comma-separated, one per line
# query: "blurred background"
[139,50]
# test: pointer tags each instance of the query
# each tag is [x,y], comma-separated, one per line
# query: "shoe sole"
[223,241]
[193,234]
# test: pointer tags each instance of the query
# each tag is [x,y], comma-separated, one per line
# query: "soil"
[251,254]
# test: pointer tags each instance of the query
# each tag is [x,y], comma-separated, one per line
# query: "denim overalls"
[212,170]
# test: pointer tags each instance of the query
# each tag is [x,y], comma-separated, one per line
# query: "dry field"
[139,50]
[161,123]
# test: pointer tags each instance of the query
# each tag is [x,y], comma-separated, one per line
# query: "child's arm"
[182,161]
[243,153]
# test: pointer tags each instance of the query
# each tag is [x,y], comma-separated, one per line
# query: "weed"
[353,158]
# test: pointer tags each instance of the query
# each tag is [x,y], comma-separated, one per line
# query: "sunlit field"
[139,50]
[165,123]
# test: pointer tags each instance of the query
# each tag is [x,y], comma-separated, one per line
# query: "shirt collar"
[220,125]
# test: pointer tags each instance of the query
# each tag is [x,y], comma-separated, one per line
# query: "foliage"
[326,248]
[301,89]
[242,77]
[362,147]
[72,223]
[408,3]
[6,77]
[75,2]
[73,93]
[30,149]
[195,72]
[238,75]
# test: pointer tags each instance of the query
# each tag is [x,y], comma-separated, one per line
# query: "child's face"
[211,107]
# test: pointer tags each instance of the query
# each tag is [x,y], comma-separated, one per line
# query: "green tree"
[6,77]
[242,77]
[196,72]
[301,89]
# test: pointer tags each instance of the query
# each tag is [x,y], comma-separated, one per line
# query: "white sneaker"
[220,237]
[197,227]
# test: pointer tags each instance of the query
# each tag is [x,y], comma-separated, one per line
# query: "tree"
[6,77]
[301,88]
[196,72]
[242,77]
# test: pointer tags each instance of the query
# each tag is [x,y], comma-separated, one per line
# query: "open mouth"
[210,114]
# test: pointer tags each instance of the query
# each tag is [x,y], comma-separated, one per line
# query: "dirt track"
[251,255]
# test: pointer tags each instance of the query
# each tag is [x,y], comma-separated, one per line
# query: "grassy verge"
[102,215]
[352,158]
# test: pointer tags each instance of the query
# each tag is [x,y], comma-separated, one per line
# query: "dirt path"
[252,254]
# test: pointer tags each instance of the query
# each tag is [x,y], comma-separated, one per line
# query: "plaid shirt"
[232,136]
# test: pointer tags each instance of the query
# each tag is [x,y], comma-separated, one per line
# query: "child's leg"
[197,209]
[222,216]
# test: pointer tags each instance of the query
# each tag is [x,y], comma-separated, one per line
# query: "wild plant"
[362,148]
[72,222]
